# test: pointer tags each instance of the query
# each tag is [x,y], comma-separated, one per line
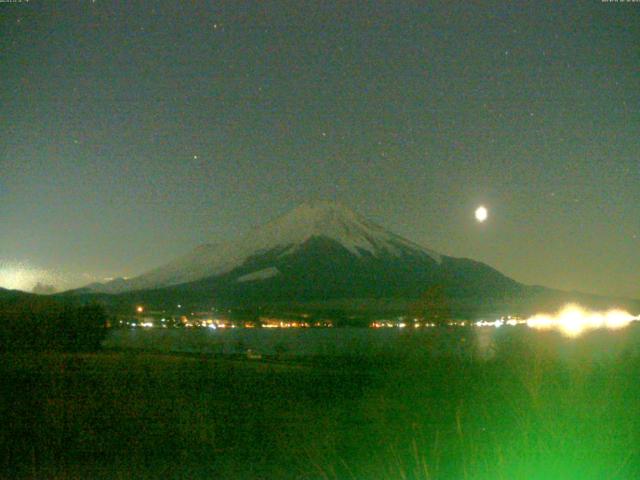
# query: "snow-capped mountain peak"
[285,234]
[334,221]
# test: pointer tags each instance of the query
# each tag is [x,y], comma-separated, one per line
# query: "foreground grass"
[525,413]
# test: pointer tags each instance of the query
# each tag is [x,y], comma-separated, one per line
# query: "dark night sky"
[131,134]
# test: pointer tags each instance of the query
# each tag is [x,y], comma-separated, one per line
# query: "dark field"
[525,413]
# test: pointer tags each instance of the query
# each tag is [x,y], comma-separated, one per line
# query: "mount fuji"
[288,235]
[320,254]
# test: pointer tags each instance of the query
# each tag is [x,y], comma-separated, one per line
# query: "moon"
[481,214]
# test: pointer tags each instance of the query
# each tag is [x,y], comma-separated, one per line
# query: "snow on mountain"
[285,235]
[259,275]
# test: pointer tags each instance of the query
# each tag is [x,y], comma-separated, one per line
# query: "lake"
[466,342]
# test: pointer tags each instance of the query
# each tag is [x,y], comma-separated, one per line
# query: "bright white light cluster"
[574,320]
[511,321]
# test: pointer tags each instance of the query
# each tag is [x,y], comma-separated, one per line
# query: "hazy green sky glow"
[130,135]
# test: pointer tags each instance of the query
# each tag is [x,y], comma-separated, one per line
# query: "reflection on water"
[485,343]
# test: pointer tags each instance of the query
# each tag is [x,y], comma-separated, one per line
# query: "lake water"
[472,342]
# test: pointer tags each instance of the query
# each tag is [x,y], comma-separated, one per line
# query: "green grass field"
[524,414]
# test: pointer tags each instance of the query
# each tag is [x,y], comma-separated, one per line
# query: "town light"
[573,320]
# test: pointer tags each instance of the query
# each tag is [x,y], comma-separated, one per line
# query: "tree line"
[36,324]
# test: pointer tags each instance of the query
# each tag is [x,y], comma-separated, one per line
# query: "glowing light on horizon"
[20,276]
[573,320]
